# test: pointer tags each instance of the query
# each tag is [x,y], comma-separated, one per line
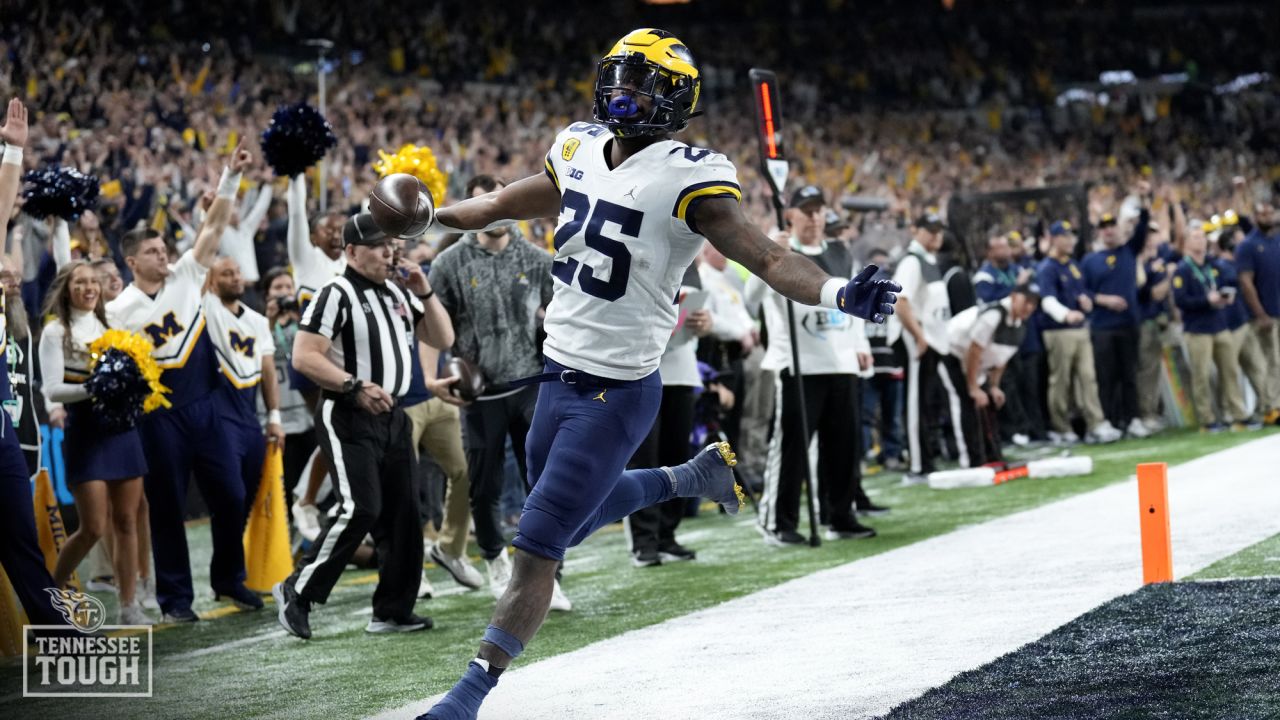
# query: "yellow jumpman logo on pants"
[600,397]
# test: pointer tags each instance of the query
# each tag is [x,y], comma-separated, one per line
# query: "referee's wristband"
[273,417]
[429,294]
[12,155]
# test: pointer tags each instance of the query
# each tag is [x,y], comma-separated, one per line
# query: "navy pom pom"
[60,192]
[117,390]
[296,139]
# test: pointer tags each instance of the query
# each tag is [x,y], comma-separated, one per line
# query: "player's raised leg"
[579,447]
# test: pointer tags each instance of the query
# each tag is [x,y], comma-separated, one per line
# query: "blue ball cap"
[1062,227]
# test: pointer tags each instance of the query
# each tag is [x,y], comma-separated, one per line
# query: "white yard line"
[856,640]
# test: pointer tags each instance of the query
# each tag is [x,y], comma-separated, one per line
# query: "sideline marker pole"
[1153,510]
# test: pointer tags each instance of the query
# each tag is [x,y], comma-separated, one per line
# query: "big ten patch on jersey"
[625,236]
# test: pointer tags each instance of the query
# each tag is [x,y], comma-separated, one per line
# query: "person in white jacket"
[834,356]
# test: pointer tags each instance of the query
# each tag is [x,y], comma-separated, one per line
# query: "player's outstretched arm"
[219,216]
[791,274]
[533,197]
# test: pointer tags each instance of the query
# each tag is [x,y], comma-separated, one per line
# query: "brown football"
[470,383]
[402,206]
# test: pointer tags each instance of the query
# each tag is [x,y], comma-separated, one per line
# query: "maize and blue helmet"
[653,64]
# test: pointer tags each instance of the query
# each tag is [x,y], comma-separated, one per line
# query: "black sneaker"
[646,558]
[240,596]
[849,530]
[784,537]
[179,615]
[293,612]
[409,623]
[870,508]
[675,552]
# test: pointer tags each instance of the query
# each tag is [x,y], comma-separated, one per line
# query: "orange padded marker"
[1153,505]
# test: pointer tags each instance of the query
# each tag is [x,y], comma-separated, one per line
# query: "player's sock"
[710,475]
[463,701]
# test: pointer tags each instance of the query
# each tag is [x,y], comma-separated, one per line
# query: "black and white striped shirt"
[371,326]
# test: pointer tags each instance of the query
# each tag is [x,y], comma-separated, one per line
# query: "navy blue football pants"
[581,439]
[188,439]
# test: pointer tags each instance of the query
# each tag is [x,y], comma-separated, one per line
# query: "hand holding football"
[402,206]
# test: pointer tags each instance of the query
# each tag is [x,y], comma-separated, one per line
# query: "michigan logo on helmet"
[647,85]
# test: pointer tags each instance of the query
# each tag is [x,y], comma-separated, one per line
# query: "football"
[402,206]
[470,383]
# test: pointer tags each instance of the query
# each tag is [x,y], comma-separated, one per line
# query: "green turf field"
[1260,560]
[1175,650]
[241,665]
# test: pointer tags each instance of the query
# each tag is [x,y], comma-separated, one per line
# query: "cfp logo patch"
[570,147]
[86,663]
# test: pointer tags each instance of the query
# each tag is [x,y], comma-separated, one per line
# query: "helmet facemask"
[621,81]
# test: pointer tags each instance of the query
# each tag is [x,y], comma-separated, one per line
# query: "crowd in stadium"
[1045,325]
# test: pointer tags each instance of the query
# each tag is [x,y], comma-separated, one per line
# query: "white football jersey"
[311,267]
[243,342]
[623,242]
[174,322]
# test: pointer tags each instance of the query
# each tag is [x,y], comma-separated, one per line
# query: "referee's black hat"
[360,229]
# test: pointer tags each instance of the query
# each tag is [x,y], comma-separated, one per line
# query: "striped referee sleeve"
[327,312]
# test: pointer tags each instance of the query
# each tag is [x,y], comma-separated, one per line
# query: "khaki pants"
[1249,354]
[1150,364]
[1070,355]
[1208,351]
[1269,340]
[438,430]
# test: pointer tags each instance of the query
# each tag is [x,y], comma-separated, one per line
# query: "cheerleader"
[101,465]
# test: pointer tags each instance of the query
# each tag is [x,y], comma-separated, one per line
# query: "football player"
[635,206]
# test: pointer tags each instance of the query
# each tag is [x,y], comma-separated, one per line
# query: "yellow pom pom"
[417,161]
[138,348]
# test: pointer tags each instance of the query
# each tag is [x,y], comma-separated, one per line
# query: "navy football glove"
[868,299]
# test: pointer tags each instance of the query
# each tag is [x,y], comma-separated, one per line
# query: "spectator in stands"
[1202,300]
[1065,300]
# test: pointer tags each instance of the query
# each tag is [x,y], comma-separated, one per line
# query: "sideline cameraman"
[282,317]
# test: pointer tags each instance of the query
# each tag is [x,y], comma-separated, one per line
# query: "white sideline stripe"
[220,647]
[856,640]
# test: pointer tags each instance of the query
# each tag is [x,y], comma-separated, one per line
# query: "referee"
[355,343]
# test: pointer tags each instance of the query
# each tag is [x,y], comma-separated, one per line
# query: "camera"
[287,304]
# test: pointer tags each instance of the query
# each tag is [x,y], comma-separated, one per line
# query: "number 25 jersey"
[623,242]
